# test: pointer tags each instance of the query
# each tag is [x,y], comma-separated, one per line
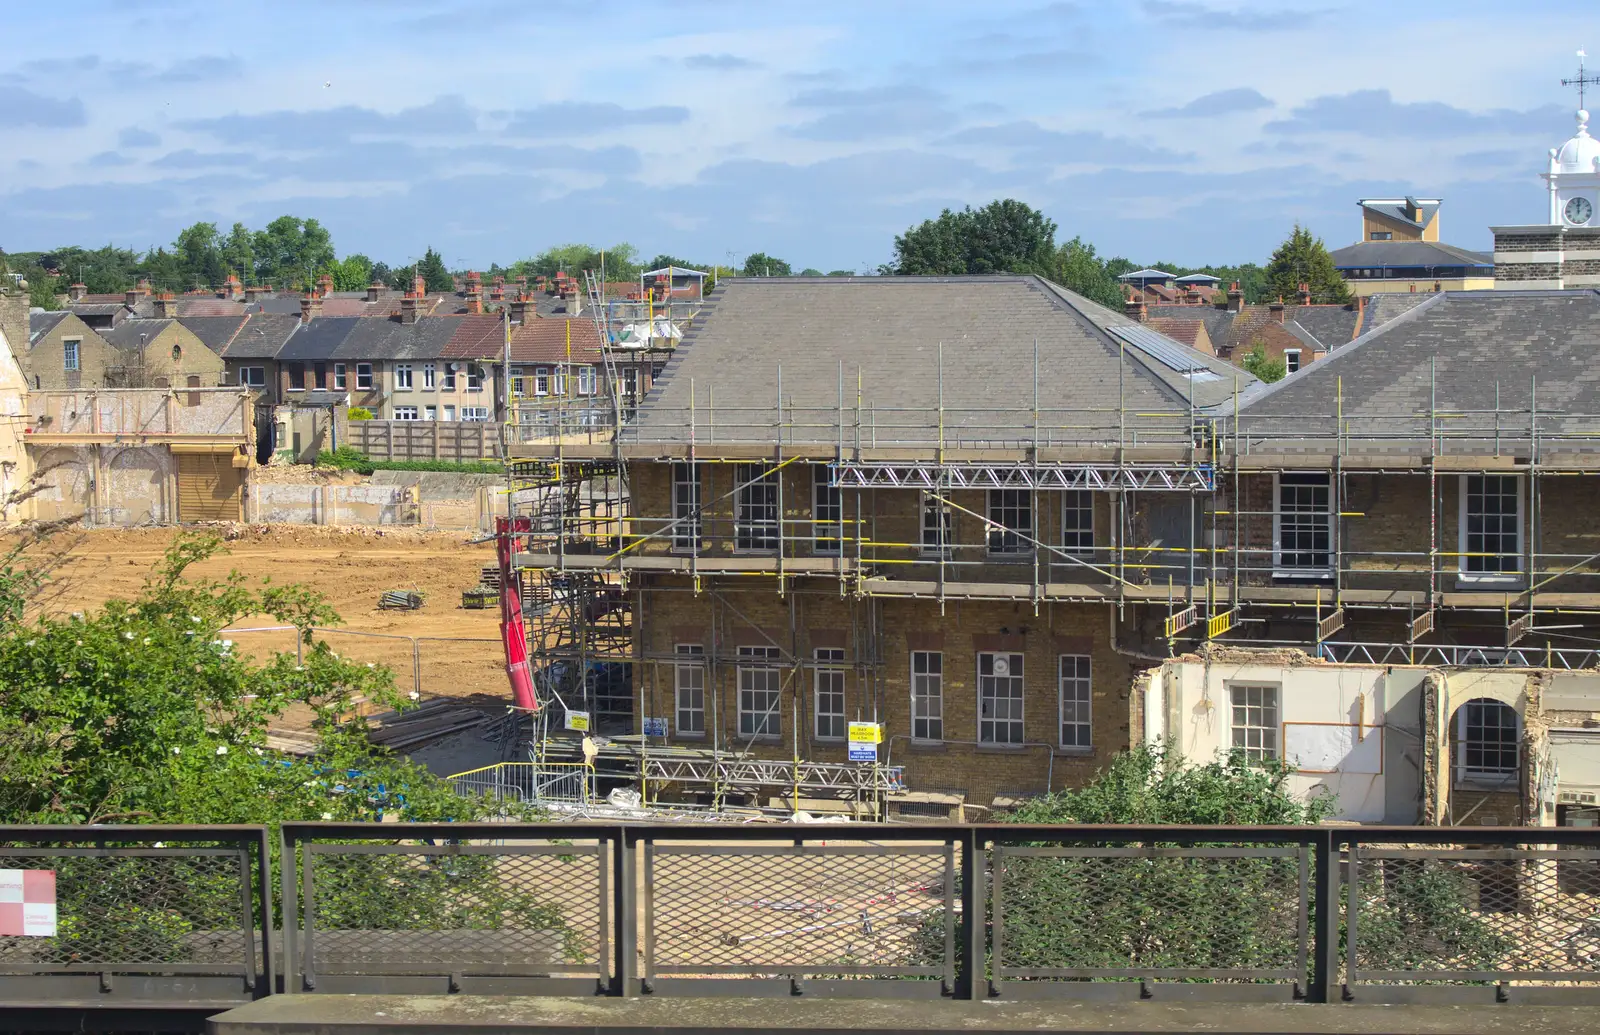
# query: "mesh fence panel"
[140,909]
[501,908]
[820,911]
[1450,912]
[1179,912]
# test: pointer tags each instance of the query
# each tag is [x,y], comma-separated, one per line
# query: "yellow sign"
[866,733]
[578,721]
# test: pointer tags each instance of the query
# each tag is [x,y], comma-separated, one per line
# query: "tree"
[841,273]
[1304,259]
[811,271]
[352,273]
[42,291]
[662,261]
[1076,267]
[760,264]
[433,272]
[1264,367]
[199,253]
[290,251]
[239,254]
[1004,236]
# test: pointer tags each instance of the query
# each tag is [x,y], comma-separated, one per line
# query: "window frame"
[689,660]
[296,373]
[1288,367]
[448,414]
[541,381]
[942,526]
[474,377]
[1081,682]
[1273,732]
[827,533]
[260,381]
[403,377]
[588,383]
[363,377]
[989,684]
[829,667]
[447,382]
[1464,540]
[760,661]
[688,493]
[474,414]
[400,413]
[340,383]
[430,376]
[756,497]
[72,355]
[1010,541]
[1467,775]
[930,681]
[1080,502]
[1280,568]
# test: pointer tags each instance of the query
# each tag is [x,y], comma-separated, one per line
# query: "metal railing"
[176,917]
[532,783]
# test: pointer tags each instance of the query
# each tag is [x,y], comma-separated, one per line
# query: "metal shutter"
[208,487]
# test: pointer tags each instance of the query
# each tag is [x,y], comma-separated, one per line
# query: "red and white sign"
[28,903]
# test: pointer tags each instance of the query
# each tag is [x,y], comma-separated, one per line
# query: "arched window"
[1487,736]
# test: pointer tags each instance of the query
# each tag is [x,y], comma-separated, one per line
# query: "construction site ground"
[457,652]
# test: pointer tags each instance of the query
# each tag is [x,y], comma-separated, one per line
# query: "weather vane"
[1581,80]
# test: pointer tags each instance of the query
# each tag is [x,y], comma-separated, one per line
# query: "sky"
[1183,131]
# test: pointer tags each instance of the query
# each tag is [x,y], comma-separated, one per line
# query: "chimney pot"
[1235,297]
[408,308]
[419,285]
[166,306]
[143,288]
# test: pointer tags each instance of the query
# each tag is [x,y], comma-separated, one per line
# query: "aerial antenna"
[1581,80]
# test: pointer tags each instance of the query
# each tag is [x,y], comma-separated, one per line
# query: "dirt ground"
[457,652]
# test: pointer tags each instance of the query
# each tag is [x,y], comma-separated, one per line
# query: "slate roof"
[391,339]
[1407,254]
[1232,334]
[215,331]
[40,324]
[134,334]
[262,336]
[887,331]
[1198,278]
[319,338]
[1328,326]
[1382,308]
[1456,350]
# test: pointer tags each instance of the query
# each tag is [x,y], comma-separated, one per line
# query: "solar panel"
[1160,348]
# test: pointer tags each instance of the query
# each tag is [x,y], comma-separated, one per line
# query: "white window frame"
[339,377]
[630,383]
[405,413]
[586,381]
[757,524]
[72,355]
[474,414]
[1001,691]
[558,380]
[1281,568]
[1077,535]
[1075,702]
[687,533]
[927,696]
[1290,366]
[430,413]
[760,681]
[827,513]
[1463,539]
[447,383]
[1481,774]
[363,377]
[449,412]
[1009,540]
[938,523]
[828,690]
[541,381]
[474,377]
[402,376]
[1260,741]
[519,381]
[689,689]
[430,375]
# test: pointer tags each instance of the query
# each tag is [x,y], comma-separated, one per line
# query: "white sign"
[578,721]
[860,752]
[28,903]
[655,727]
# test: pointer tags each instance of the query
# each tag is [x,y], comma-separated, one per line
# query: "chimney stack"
[374,290]
[474,292]
[571,299]
[1235,298]
[1277,309]
[519,309]
[143,288]
[408,308]
[497,293]
[76,292]
[324,286]
[419,285]
[1135,308]
[130,298]
[233,289]
[1305,293]
[166,306]
[310,307]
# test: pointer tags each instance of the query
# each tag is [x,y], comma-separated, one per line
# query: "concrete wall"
[301,504]
[143,411]
[14,467]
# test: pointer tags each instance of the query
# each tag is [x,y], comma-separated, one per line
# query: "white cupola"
[1574,179]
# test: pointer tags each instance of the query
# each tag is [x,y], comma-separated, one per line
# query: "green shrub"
[359,413]
[345,458]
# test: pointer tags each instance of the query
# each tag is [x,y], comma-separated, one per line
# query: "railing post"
[626,968]
[972,951]
[264,890]
[290,902]
[1325,919]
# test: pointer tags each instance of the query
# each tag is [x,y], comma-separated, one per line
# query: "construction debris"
[437,718]
[400,600]
[480,598]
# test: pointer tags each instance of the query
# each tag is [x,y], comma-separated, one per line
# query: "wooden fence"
[425,439]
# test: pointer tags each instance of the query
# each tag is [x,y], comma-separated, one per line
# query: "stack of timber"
[437,718]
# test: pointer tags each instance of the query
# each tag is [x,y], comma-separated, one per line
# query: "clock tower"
[1563,252]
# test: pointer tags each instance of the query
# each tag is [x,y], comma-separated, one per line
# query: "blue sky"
[1179,130]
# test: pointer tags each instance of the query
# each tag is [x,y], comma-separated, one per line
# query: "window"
[1381,235]
[689,689]
[69,353]
[449,413]
[402,375]
[927,695]
[1486,740]
[630,382]
[297,377]
[1255,721]
[1305,525]
[827,512]
[364,376]
[828,679]
[541,380]
[760,681]
[319,375]
[430,373]
[475,413]
[449,383]
[999,698]
[937,522]
[519,382]
[1077,522]
[686,506]
[338,377]
[1491,527]
[755,523]
[430,413]
[1012,511]
[254,377]
[1072,677]
[586,380]
[474,378]
[1291,360]
[558,381]
[405,413]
